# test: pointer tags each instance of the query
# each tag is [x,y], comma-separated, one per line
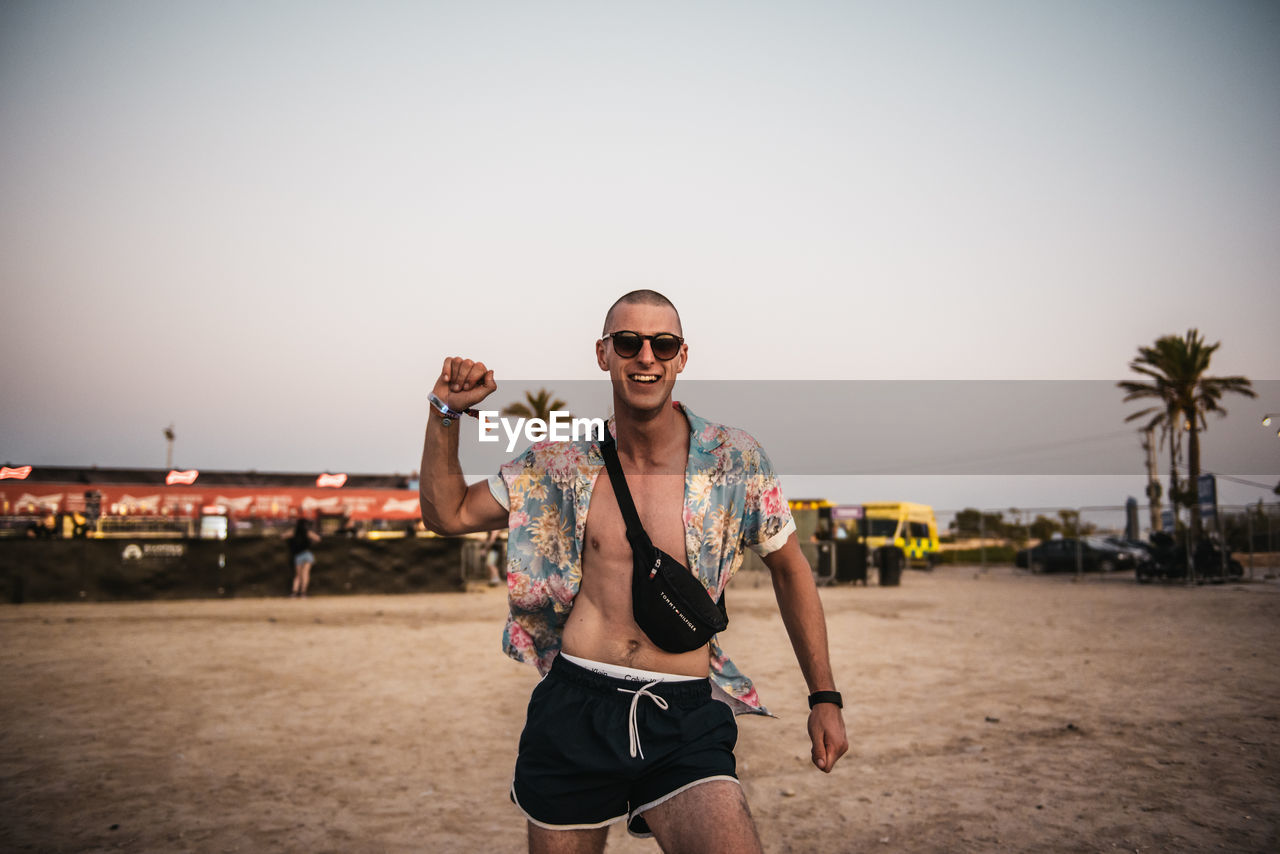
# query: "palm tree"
[1153,482]
[1176,370]
[1163,416]
[538,405]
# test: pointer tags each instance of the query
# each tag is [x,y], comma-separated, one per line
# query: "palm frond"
[536,405]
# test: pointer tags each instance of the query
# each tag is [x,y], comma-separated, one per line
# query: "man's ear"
[684,358]
[600,360]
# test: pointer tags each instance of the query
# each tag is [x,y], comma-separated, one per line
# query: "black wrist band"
[826,697]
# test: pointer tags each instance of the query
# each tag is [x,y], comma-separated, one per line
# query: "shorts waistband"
[691,689]
[631,673]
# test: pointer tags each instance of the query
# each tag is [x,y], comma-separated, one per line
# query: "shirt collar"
[705,437]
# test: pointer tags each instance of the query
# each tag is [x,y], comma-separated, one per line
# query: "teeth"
[645,378]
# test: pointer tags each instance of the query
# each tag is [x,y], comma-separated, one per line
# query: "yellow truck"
[910,527]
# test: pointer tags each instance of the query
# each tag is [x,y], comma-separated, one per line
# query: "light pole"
[168,453]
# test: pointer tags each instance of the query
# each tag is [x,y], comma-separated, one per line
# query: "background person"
[492,557]
[300,542]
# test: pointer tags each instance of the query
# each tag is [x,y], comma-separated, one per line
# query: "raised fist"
[463,383]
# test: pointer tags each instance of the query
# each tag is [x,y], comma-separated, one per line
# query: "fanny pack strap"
[636,533]
[643,549]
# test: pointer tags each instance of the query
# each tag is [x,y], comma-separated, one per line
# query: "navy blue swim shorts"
[597,749]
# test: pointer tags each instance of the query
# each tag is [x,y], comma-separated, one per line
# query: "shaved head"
[643,297]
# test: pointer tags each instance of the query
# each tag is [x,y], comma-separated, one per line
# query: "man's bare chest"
[659,500]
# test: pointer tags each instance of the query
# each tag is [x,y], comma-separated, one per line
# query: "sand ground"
[996,711]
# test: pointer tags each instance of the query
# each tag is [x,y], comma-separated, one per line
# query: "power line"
[1245,482]
[1008,453]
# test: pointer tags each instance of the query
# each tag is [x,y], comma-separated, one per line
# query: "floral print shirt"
[732,501]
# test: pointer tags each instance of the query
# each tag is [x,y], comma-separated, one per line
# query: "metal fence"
[986,536]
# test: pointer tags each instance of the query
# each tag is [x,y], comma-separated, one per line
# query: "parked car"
[1121,553]
[1138,551]
[1169,561]
[1094,554]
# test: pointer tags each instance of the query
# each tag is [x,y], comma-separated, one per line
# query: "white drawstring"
[632,730]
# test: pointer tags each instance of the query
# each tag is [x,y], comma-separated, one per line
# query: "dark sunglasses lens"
[665,346]
[626,344]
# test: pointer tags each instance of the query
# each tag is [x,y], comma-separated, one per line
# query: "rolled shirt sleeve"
[777,541]
[767,519]
[498,489]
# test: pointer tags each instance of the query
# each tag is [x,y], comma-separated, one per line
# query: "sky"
[267,223]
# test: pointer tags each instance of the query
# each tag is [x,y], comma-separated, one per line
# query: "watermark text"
[560,428]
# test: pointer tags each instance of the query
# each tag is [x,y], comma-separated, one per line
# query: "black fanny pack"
[670,605]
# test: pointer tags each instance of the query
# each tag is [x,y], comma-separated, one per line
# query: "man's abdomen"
[601,627]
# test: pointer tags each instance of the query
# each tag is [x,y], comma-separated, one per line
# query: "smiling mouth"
[646,379]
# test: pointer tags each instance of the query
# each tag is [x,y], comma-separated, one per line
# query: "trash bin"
[851,561]
[890,560]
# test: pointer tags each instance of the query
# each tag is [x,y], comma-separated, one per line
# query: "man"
[622,728]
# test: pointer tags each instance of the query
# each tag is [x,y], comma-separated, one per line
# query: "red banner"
[19,473]
[245,502]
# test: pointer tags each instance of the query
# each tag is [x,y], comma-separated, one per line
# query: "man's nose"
[646,352]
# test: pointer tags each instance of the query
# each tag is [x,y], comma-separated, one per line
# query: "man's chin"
[644,400]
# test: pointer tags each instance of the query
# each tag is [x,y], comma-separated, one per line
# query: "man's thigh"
[707,818]
[544,841]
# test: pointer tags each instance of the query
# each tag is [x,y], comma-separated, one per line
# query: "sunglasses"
[627,344]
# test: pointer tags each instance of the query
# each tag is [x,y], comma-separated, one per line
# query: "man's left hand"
[826,731]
